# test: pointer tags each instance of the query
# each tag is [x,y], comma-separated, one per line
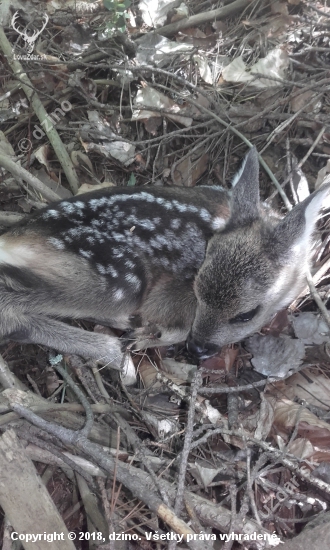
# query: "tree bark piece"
[25,500]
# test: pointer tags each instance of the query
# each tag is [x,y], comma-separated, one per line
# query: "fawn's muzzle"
[202,350]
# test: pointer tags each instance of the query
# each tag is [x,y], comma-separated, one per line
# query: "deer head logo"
[30,40]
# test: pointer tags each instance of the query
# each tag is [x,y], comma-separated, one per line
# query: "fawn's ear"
[293,234]
[245,194]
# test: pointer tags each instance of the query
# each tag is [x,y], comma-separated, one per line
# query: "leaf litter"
[142,103]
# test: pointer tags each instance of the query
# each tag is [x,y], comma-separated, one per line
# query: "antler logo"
[30,40]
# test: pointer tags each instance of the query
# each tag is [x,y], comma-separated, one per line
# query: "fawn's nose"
[199,349]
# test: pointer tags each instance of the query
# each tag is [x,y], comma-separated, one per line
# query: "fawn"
[166,264]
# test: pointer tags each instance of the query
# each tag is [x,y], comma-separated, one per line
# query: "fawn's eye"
[245,317]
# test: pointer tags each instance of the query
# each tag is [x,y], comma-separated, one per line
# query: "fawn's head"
[254,267]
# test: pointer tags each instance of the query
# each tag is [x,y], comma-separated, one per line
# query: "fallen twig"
[204,17]
[41,113]
[20,173]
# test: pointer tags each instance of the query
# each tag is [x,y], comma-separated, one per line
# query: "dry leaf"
[316,431]
[189,170]
[79,158]
[88,187]
[204,69]
[275,356]
[313,385]
[302,99]
[150,97]
[310,328]
[154,12]
[274,64]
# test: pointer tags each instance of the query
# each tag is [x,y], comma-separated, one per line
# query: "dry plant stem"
[86,378]
[82,398]
[7,378]
[235,389]
[201,18]
[47,457]
[196,383]
[249,487]
[312,147]
[124,475]
[99,381]
[142,455]
[40,111]
[233,500]
[25,501]
[317,299]
[302,162]
[289,170]
[287,122]
[20,173]
[293,436]
[232,406]
[51,448]
[105,500]
[91,505]
[178,390]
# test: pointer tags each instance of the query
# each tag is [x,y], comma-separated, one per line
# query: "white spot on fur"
[218,223]
[146,224]
[118,294]
[129,264]
[86,253]
[108,270]
[140,243]
[175,224]
[57,243]
[179,206]
[68,207]
[51,214]
[118,237]
[205,214]
[112,271]
[118,252]
[133,280]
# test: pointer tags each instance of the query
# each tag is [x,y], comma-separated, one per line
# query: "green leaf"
[132,180]
[109,4]
[121,22]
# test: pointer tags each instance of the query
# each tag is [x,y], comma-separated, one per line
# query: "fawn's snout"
[199,349]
